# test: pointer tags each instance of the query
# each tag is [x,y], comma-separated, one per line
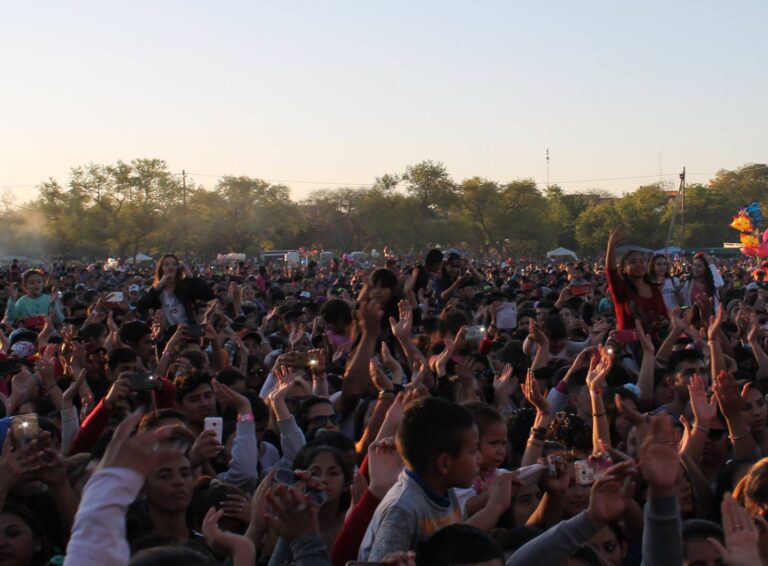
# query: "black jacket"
[188,291]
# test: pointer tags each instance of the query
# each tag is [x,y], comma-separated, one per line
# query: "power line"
[339,183]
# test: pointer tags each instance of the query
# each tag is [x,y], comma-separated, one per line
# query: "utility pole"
[186,214]
[679,202]
[682,209]
[547,167]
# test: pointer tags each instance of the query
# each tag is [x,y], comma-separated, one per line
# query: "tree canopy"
[123,208]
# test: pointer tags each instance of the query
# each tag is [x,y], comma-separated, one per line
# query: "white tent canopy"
[561,252]
[669,250]
[138,258]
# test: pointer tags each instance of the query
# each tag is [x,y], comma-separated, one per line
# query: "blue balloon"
[754,212]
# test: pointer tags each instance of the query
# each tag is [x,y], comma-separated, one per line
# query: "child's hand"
[384,466]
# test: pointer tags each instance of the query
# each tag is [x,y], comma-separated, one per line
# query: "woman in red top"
[634,295]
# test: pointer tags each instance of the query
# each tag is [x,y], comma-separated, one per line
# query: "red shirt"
[630,306]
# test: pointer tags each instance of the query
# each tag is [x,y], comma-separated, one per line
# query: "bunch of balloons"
[748,221]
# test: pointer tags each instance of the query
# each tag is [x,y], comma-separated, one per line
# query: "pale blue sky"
[338,91]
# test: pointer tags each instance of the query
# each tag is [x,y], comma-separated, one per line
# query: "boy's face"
[463,468]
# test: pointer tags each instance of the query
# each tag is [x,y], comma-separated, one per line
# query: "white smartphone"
[216,424]
[115,297]
[506,318]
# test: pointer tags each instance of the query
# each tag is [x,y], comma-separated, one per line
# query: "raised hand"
[727,394]
[402,327]
[659,461]
[599,370]
[226,542]
[378,377]
[504,384]
[369,318]
[609,495]
[535,334]
[384,466]
[292,513]
[68,396]
[741,535]
[534,395]
[645,339]
[441,364]
[704,410]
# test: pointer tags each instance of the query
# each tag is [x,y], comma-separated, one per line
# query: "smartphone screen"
[25,428]
[142,381]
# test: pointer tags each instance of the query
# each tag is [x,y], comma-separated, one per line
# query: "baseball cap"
[134,288]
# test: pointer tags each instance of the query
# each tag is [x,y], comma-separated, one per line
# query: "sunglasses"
[295,400]
[323,420]
[288,478]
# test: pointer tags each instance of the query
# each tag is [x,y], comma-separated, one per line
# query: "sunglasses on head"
[322,420]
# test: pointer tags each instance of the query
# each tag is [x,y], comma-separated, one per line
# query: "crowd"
[440,410]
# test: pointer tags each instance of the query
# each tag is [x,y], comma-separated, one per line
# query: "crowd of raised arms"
[439,410]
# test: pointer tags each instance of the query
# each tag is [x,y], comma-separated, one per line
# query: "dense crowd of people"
[441,410]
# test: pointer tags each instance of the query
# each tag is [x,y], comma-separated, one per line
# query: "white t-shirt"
[669,292]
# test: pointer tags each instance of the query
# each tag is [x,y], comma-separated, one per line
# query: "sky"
[336,93]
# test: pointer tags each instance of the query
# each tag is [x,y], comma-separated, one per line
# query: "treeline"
[121,209]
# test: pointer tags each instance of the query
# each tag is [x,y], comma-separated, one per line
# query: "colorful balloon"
[749,240]
[754,212]
[765,236]
[749,251]
[742,222]
[762,250]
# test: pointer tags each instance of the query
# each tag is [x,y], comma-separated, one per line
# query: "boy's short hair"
[700,529]
[681,356]
[152,420]
[187,383]
[132,332]
[430,427]
[460,544]
[484,415]
[119,356]
[336,311]
[92,331]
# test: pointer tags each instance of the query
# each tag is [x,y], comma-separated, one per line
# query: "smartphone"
[305,295]
[626,336]
[24,428]
[474,333]
[215,424]
[195,331]
[579,290]
[35,322]
[583,472]
[143,381]
[506,318]
[115,297]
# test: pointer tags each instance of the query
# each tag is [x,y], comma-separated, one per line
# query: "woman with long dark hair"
[660,274]
[705,280]
[634,295]
[174,292]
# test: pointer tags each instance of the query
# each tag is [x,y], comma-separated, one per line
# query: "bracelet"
[387,394]
[538,433]
[541,414]
[596,392]
[50,387]
[245,418]
[598,414]
[701,428]
[534,441]
[736,437]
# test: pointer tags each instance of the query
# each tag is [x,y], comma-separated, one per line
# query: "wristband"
[598,414]
[538,433]
[245,418]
